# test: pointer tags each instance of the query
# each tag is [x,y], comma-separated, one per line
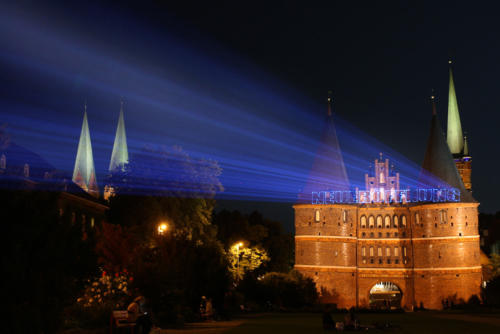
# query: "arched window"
[363,221]
[3,162]
[382,177]
[26,171]
[371,222]
[417,218]
[317,216]
[387,222]
[92,222]
[379,251]
[404,251]
[396,251]
[395,220]
[371,251]
[388,251]
[363,251]
[344,216]
[403,220]
[379,221]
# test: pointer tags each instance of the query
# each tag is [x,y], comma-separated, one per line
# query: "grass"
[416,322]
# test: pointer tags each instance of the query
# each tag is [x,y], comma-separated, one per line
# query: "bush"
[280,291]
[101,295]
[491,294]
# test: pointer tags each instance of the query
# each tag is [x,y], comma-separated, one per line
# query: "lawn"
[416,322]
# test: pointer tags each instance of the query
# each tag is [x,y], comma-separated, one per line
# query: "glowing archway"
[385,295]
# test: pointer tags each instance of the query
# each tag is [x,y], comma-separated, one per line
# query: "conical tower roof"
[454,135]
[466,147]
[439,169]
[119,156]
[328,171]
[84,171]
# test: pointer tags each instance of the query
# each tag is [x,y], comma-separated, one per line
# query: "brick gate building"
[426,252]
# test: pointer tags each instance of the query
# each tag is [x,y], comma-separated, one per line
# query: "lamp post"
[238,245]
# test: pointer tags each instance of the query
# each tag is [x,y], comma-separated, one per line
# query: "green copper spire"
[119,157]
[84,172]
[454,135]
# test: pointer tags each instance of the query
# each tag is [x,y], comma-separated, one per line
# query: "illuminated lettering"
[379,196]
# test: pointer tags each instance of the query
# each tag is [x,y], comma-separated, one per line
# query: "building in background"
[390,253]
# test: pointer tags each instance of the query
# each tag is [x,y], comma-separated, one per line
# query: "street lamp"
[162,228]
[238,245]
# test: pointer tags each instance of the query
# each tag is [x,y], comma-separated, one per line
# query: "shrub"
[281,290]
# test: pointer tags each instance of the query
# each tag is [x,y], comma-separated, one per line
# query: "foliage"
[244,259]
[175,269]
[168,172]
[280,290]
[233,227]
[165,186]
[491,294]
[106,289]
[113,247]
[177,272]
[101,295]
[495,265]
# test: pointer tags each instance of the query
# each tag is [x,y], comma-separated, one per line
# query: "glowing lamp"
[162,228]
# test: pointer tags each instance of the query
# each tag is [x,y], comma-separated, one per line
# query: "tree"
[174,269]
[166,185]
[495,265]
[244,259]
[281,290]
[258,232]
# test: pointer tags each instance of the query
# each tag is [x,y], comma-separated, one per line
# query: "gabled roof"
[439,169]
[328,171]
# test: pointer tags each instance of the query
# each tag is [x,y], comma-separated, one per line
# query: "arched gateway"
[385,295]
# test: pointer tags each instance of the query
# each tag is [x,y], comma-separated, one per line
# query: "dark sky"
[381,59]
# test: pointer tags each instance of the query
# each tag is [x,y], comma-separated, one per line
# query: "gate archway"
[385,295]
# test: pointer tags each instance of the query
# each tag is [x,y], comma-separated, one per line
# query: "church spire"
[84,171]
[466,147]
[454,134]
[119,156]
[438,168]
[329,101]
[433,103]
[328,170]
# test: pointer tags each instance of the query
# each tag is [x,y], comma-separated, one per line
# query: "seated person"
[328,323]
[137,314]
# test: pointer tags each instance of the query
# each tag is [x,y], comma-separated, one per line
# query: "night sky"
[381,60]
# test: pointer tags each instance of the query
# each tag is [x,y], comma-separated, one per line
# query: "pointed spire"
[329,101]
[119,156]
[84,171]
[433,103]
[454,134]
[466,147]
[328,171]
[438,168]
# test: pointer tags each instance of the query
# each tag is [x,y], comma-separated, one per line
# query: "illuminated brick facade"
[464,167]
[430,251]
